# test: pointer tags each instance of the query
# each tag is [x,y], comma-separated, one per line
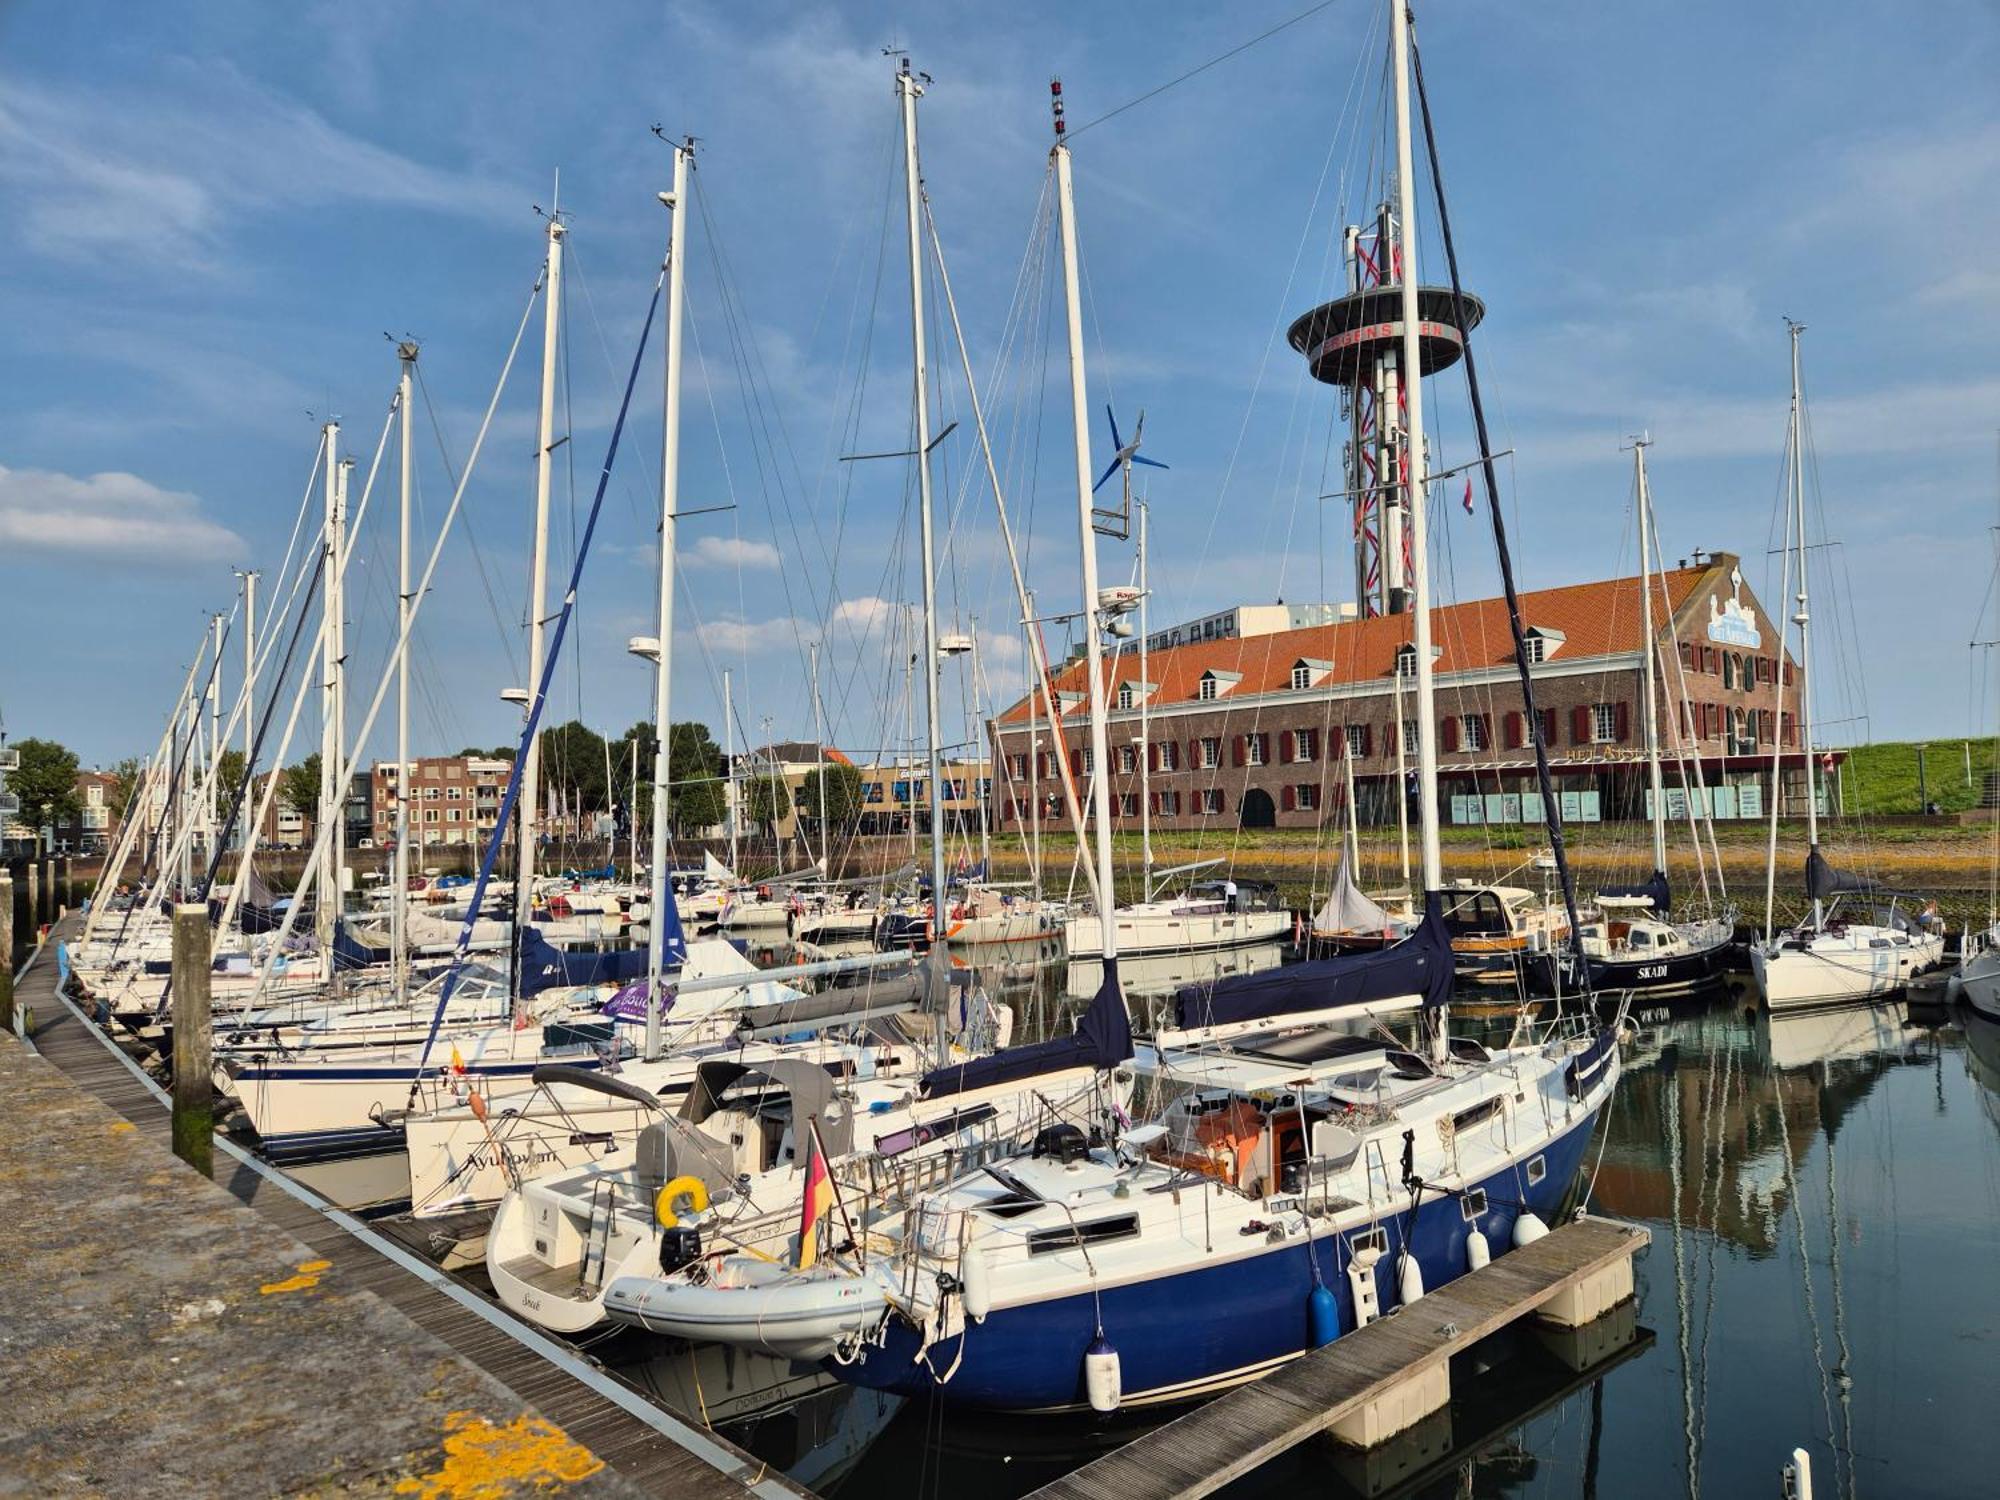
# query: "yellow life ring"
[689,1187]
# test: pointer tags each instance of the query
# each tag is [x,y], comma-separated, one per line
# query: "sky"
[219,213]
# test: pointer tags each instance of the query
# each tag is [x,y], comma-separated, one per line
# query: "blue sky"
[217,211]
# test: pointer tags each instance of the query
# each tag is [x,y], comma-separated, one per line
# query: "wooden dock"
[651,1449]
[1374,1382]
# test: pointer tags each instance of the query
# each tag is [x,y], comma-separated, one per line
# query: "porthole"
[1472,1204]
[1537,1170]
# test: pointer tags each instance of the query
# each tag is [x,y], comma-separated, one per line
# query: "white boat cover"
[1347,909]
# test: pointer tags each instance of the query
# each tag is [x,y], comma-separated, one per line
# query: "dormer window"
[1126,697]
[1214,684]
[1406,661]
[1302,678]
[1541,643]
[1206,691]
[1307,673]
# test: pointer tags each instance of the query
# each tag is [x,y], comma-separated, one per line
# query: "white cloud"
[166,177]
[863,614]
[109,515]
[730,552]
[742,637]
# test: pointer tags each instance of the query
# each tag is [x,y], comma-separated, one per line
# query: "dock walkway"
[1344,1382]
[167,1337]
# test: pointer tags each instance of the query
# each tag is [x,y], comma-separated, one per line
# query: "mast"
[1034,763]
[819,765]
[1802,617]
[528,810]
[729,766]
[1651,713]
[1145,742]
[249,577]
[1100,781]
[328,902]
[670,482]
[910,90]
[214,809]
[985,835]
[399,899]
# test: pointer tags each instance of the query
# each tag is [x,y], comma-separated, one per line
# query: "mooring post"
[194,1089]
[6,949]
[49,886]
[69,882]
[34,899]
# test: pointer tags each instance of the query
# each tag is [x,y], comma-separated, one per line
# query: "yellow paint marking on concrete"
[308,1277]
[119,1127]
[483,1461]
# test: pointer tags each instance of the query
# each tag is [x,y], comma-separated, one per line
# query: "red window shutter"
[1076,762]
[1285,747]
[1621,722]
[1579,724]
[1447,735]
[1682,706]
[1486,730]
[1153,758]
[1041,765]
[1512,724]
[1236,751]
[1336,743]
[1289,800]
[1365,746]
[1194,755]
[1788,671]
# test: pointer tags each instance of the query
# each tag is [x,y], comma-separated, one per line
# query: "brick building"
[1254,732]
[455,799]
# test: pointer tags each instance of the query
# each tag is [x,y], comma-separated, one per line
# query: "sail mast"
[399,899]
[329,745]
[729,766]
[1802,616]
[1651,713]
[528,809]
[1100,777]
[670,479]
[1145,741]
[909,90]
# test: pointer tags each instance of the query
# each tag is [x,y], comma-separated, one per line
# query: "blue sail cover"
[349,952]
[1102,1039]
[1655,890]
[1420,964]
[545,966]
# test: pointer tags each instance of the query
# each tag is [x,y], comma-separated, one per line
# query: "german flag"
[819,1200]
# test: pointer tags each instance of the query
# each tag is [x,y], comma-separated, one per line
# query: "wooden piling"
[34,899]
[68,882]
[6,949]
[49,890]
[194,1088]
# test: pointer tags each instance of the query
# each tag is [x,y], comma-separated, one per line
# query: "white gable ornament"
[1730,622]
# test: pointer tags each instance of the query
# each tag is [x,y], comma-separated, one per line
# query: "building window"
[1536,648]
[1170,755]
[1306,795]
[454,794]
[1167,803]
[1302,678]
[1128,804]
[1409,736]
[1125,695]
[1253,749]
[1211,753]
[1128,758]
[1604,721]
[1305,744]
[1357,740]
[431,794]
[1017,767]
[1406,661]
[451,815]
[1089,760]
[1475,732]
[430,815]
[1206,692]
[1211,801]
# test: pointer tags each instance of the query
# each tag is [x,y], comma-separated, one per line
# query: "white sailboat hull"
[1857,963]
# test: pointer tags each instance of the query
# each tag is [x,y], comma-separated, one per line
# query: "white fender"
[1101,1377]
[1477,1252]
[976,1284]
[1527,1229]
[1410,1279]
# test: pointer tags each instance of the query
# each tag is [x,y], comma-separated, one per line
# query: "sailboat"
[1857,943]
[1635,945]
[1260,1214]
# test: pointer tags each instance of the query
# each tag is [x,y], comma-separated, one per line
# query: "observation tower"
[1356,342]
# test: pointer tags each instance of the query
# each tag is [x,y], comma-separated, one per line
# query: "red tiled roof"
[1596,619]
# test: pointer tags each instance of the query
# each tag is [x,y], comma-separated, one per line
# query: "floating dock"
[1369,1385]
[171,1335]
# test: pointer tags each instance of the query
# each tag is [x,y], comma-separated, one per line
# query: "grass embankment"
[1881,780]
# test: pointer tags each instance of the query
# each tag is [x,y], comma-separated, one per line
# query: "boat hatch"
[1477,1115]
[1408,1065]
[1075,1236]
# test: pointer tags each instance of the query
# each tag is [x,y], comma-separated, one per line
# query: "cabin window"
[1537,1170]
[1073,1236]
[1376,1240]
[1479,1114]
[1302,678]
[1471,1204]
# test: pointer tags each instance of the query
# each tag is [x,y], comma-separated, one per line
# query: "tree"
[229,774]
[299,786]
[498,752]
[45,781]
[125,777]
[694,767]
[843,793]
[767,799]
[573,763]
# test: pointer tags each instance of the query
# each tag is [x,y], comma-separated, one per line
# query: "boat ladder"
[597,1237]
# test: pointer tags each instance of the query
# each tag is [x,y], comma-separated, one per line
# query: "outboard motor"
[680,1247]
